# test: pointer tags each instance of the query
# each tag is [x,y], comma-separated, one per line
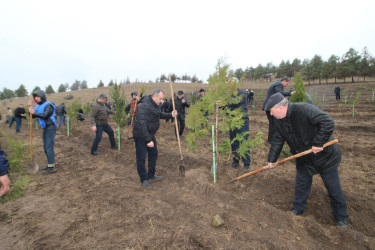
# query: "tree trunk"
[352,78]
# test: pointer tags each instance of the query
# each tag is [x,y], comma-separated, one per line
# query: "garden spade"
[33,167]
[282,161]
[182,167]
[130,134]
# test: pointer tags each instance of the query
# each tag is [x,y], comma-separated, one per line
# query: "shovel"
[282,161]
[130,134]
[33,167]
[181,167]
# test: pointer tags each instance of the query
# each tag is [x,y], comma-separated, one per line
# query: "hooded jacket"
[48,112]
[276,87]
[148,117]
[303,127]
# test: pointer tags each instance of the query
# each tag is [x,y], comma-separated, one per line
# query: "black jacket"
[146,122]
[4,164]
[48,111]
[61,109]
[303,127]
[276,87]
[243,103]
[180,107]
[19,112]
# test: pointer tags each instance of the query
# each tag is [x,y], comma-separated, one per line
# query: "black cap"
[180,92]
[103,96]
[284,79]
[134,93]
[273,100]
[201,90]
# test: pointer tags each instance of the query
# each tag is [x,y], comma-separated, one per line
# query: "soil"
[97,202]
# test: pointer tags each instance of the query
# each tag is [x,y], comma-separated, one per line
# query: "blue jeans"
[141,150]
[99,132]
[18,123]
[49,143]
[331,181]
[62,119]
[235,145]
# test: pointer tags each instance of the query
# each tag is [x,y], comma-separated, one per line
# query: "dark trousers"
[331,181]
[141,150]
[18,123]
[338,97]
[62,120]
[11,120]
[181,126]
[235,145]
[99,132]
[271,126]
[49,143]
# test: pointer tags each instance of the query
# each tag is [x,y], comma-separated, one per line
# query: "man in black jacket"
[181,103]
[19,114]
[61,112]
[45,113]
[4,179]
[304,126]
[146,125]
[276,87]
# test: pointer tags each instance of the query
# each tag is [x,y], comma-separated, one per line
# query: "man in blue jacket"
[4,179]
[303,126]
[45,113]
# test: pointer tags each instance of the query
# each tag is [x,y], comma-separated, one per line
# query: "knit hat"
[273,100]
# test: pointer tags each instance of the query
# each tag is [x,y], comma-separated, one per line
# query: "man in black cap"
[99,122]
[201,94]
[276,87]
[181,103]
[132,106]
[303,126]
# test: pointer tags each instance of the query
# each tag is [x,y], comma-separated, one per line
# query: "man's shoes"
[155,178]
[95,152]
[44,168]
[296,211]
[246,168]
[115,147]
[342,223]
[234,165]
[50,170]
[146,184]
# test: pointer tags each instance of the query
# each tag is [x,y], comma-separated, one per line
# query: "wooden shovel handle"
[284,160]
[133,114]
[175,118]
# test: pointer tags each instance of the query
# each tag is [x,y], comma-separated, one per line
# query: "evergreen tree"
[111,83]
[76,85]
[61,88]
[21,91]
[84,84]
[35,89]
[300,95]
[7,94]
[101,84]
[49,89]
[351,63]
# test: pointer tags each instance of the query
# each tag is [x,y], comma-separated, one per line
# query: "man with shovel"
[146,125]
[304,126]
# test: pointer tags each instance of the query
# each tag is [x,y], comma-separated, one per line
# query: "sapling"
[72,113]
[119,103]
[356,100]
[300,93]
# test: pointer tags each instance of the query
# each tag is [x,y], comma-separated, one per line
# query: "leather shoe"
[155,178]
[145,184]
[246,168]
[95,153]
[342,223]
[115,147]
[296,211]
[234,165]
[50,170]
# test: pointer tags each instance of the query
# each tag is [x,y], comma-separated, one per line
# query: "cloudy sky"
[52,42]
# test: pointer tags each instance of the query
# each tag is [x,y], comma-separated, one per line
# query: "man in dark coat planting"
[99,123]
[304,126]
[181,103]
[145,127]
[19,114]
[276,87]
[45,113]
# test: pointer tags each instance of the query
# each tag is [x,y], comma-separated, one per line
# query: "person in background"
[9,115]
[181,103]
[146,125]
[61,112]
[337,93]
[4,179]
[131,108]
[99,123]
[276,87]
[45,114]
[251,97]
[19,114]
[304,126]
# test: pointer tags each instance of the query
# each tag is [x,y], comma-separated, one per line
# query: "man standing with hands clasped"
[304,126]
[146,124]
[99,119]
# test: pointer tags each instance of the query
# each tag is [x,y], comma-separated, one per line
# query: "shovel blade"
[33,168]
[182,170]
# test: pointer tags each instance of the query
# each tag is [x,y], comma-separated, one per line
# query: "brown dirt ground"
[97,202]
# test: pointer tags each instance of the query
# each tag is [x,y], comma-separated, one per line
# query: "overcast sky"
[53,42]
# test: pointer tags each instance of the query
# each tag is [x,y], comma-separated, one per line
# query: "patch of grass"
[17,189]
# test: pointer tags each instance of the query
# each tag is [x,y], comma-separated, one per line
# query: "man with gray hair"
[304,126]
[99,123]
[146,125]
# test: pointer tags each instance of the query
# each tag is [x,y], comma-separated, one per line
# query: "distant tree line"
[351,64]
